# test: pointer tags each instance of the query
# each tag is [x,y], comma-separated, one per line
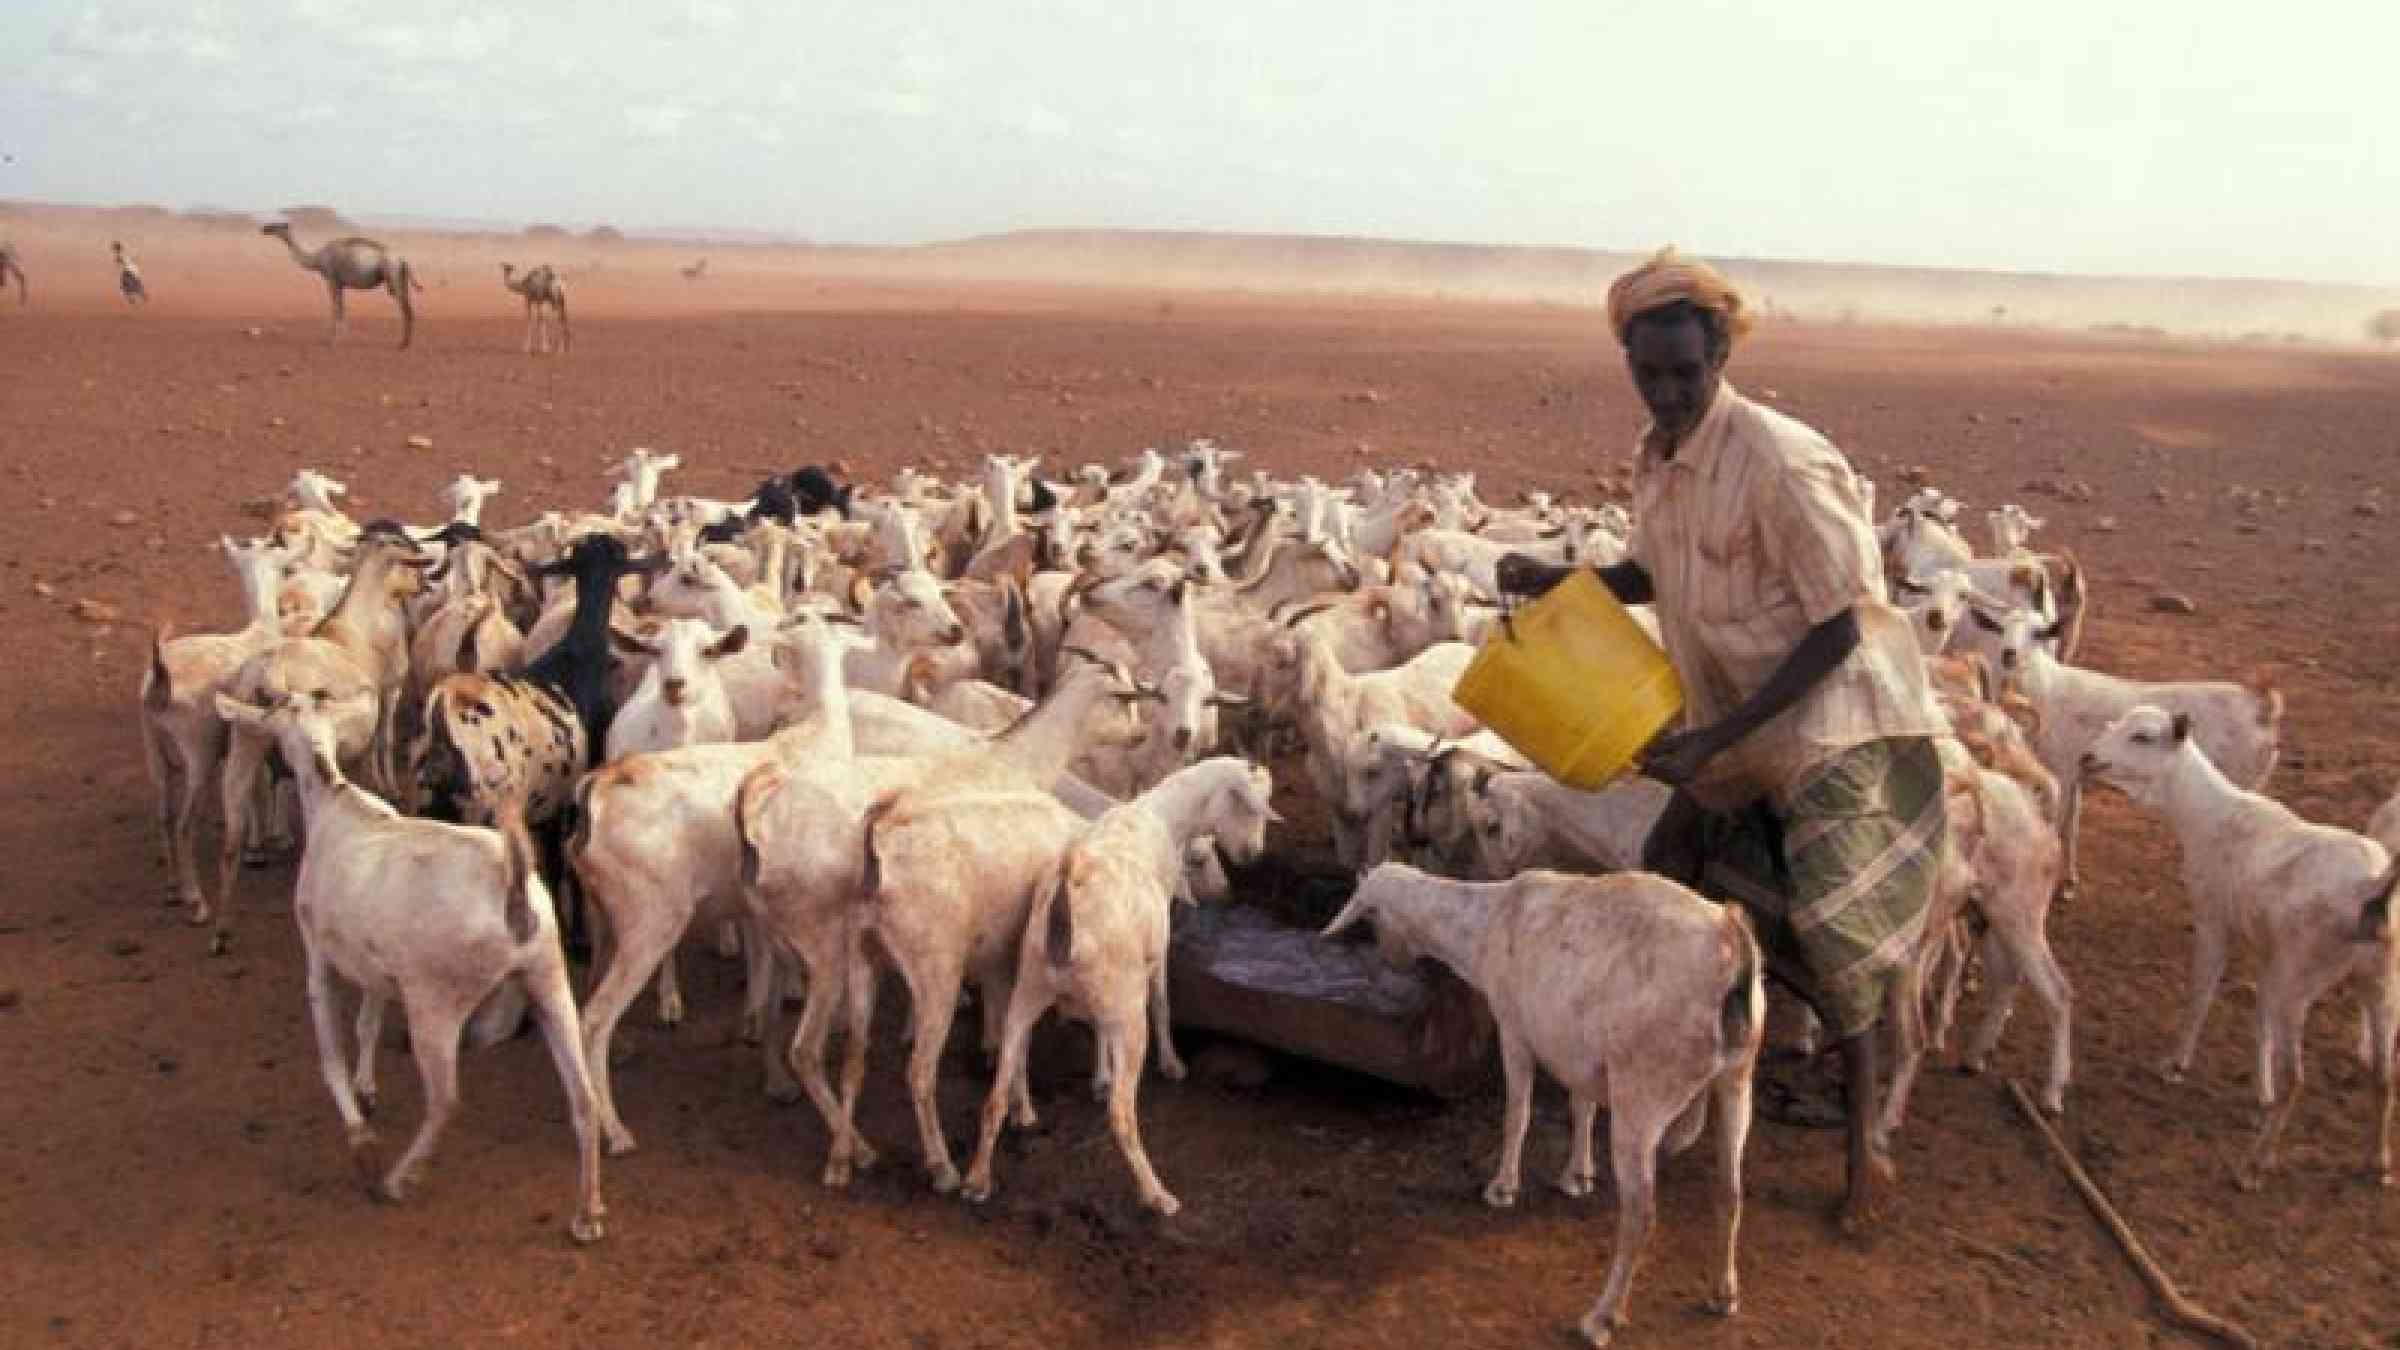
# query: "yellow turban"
[1668,277]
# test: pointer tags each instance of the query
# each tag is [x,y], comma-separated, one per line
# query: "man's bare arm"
[1677,759]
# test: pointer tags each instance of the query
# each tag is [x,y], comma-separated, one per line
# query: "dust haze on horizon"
[2141,139]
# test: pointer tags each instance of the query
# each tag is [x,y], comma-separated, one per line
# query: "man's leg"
[1870,1167]
[1860,847]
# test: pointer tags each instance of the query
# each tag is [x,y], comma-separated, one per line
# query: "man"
[129,277]
[1807,785]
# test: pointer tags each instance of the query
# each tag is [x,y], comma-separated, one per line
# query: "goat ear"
[732,642]
[1909,586]
[2051,633]
[862,591]
[1984,621]
[1483,781]
[629,643]
[1357,909]
[2182,727]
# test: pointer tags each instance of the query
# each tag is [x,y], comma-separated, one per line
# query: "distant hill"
[1334,264]
[1827,292]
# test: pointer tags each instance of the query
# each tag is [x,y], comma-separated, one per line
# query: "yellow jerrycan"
[1573,683]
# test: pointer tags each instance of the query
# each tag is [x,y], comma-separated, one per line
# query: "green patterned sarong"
[1837,874]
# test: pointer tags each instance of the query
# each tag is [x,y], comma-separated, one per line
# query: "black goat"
[816,491]
[488,739]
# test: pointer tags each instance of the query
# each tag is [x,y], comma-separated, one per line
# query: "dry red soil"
[173,1172]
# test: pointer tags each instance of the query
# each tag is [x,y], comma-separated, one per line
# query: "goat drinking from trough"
[1628,987]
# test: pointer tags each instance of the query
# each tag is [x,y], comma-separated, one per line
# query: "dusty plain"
[172,1173]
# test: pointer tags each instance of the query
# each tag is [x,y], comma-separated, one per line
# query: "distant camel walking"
[10,265]
[129,277]
[545,295]
[359,265]
[695,271]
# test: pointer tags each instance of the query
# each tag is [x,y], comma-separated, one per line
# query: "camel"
[355,264]
[11,264]
[545,295]
[695,271]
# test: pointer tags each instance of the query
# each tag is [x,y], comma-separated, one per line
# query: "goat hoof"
[2171,1071]
[1163,1205]
[976,1190]
[1500,1195]
[621,1143]
[2248,1180]
[835,1176]
[944,1179]
[1576,1187]
[366,1100]
[2054,1105]
[395,1189]
[1172,1070]
[220,943]
[1598,1330]
[589,1228]
[366,1156]
[1723,1303]
[783,1094]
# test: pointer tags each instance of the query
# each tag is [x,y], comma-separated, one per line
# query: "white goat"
[2238,726]
[1937,606]
[1095,943]
[183,739]
[360,648]
[1629,989]
[2316,897]
[655,847]
[641,471]
[680,701]
[441,915]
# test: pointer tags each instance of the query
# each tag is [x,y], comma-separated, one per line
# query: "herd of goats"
[988,734]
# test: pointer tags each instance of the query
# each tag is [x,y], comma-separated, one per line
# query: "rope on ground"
[2180,1311]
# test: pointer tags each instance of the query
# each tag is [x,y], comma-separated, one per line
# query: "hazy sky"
[2153,136]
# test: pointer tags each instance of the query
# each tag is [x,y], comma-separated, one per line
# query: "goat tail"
[2375,917]
[159,690]
[870,866]
[1058,934]
[749,801]
[1739,1015]
[523,870]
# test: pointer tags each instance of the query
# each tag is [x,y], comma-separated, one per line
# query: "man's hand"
[1521,574]
[1677,758]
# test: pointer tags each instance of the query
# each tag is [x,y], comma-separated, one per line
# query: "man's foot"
[1862,1204]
